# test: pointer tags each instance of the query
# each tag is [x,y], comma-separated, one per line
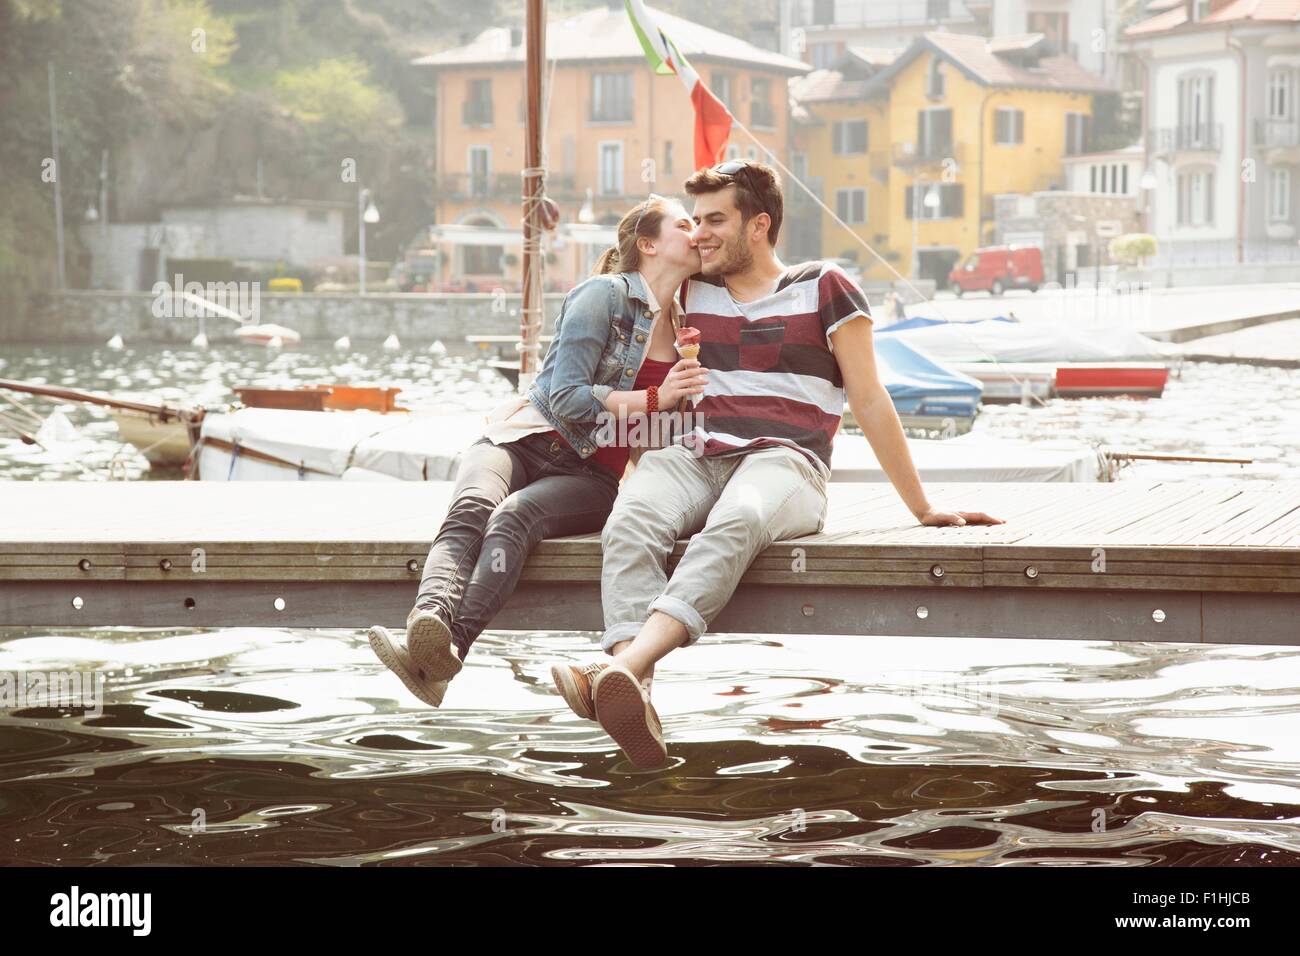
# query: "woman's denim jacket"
[601,336]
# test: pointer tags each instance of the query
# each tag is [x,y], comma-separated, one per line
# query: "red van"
[998,268]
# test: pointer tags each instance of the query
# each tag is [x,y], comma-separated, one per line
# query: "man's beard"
[738,258]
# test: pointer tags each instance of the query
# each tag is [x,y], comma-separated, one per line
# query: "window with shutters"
[1195,197]
[480,171]
[611,169]
[721,87]
[934,133]
[934,79]
[1009,126]
[1280,94]
[477,108]
[851,205]
[761,113]
[850,137]
[611,97]
[1195,112]
[1279,194]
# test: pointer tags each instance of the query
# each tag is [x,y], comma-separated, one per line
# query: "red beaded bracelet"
[652,399]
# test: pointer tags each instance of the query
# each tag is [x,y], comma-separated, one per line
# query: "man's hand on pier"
[938,519]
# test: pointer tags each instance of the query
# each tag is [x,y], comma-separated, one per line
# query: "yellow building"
[840,148]
[954,120]
[615,132]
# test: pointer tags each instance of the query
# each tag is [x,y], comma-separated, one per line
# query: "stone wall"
[97,316]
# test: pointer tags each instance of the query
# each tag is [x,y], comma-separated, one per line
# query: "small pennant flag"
[712,119]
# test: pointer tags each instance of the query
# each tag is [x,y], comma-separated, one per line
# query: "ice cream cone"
[688,347]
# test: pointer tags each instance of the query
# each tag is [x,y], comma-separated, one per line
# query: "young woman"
[538,472]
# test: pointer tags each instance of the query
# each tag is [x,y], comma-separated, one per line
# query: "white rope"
[534,317]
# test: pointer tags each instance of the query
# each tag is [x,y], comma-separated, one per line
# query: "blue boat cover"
[918,322]
[917,382]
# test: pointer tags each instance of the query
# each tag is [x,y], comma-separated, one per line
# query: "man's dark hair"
[757,190]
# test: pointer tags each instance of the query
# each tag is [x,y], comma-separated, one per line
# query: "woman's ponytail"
[608,262]
[642,221]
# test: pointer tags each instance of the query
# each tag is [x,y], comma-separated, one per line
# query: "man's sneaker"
[397,660]
[623,708]
[428,640]
[574,684]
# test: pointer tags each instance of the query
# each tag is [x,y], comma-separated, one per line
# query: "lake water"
[298,747]
[1240,411]
[275,746]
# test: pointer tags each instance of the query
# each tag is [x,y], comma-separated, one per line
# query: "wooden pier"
[1136,560]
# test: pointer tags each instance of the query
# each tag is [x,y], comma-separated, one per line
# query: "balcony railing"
[1277,132]
[476,113]
[1205,136]
[469,186]
[919,154]
[618,111]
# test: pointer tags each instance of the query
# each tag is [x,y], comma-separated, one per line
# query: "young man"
[782,349]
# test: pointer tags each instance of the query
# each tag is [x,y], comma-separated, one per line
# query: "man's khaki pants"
[734,507]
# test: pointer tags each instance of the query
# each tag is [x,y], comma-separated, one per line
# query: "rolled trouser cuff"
[683,613]
[618,634]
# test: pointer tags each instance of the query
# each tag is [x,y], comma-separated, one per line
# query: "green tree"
[335,99]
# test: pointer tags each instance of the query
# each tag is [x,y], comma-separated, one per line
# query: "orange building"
[615,131]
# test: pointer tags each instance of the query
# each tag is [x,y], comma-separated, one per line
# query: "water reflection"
[296,746]
[457,381]
[1207,409]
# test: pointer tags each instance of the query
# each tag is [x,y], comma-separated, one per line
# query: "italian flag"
[712,119]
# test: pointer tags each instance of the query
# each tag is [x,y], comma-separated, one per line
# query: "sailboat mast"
[533,312]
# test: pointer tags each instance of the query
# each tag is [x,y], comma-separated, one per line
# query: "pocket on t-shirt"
[760,347]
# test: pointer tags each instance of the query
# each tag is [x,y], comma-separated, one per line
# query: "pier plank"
[1208,555]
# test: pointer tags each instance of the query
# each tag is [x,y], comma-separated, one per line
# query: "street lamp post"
[366,213]
[100,214]
[61,275]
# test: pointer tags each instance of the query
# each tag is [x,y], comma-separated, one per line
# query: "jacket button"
[640,337]
[586,449]
[647,314]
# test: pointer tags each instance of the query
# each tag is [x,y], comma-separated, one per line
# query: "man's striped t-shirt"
[772,377]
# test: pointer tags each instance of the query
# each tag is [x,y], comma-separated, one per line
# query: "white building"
[822,30]
[295,231]
[133,255]
[1115,172]
[1222,128]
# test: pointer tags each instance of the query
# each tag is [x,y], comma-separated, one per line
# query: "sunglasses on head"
[733,168]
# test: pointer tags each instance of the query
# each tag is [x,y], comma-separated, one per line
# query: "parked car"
[998,268]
